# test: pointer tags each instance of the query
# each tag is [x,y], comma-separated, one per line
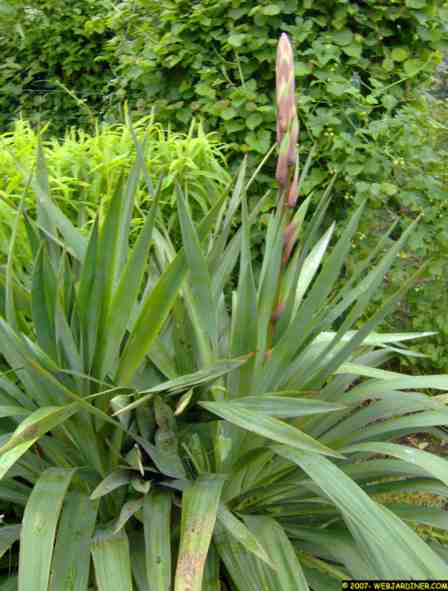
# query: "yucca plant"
[162,432]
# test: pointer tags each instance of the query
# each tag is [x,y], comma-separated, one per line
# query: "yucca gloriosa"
[187,443]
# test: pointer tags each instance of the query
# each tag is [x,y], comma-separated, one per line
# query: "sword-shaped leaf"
[157,306]
[39,529]
[203,317]
[268,427]
[390,547]
[112,481]
[200,504]
[241,534]
[185,382]
[157,528]
[71,562]
[8,535]
[111,558]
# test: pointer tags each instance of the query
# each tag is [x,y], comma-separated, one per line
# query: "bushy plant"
[84,170]
[414,146]
[188,442]
[56,62]
[354,60]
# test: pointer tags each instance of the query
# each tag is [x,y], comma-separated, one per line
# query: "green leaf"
[276,405]
[127,511]
[254,120]
[287,574]
[71,562]
[188,381]
[353,50]
[413,66]
[13,411]
[243,337]
[205,319]
[241,534]
[39,528]
[236,39]
[399,54]
[390,547]
[10,307]
[424,515]
[126,294]
[38,423]
[112,482]
[111,559]
[199,510]
[251,574]
[270,10]
[8,459]
[212,574]
[50,217]
[157,306]
[432,464]
[343,37]
[157,528]
[268,427]
[8,535]
[228,113]
[43,302]
[416,3]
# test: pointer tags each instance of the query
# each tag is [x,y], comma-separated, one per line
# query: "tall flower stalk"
[287,172]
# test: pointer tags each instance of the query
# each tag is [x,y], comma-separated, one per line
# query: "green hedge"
[57,61]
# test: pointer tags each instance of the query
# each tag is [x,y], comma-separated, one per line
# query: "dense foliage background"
[363,71]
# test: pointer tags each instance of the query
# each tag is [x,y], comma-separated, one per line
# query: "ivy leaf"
[416,3]
[205,90]
[336,88]
[343,37]
[389,101]
[236,39]
[270,10]
[254,120]
[411,67]
[389,188]
[260,141]
[399,54]
[353,50]
[302,69]
[229,113]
